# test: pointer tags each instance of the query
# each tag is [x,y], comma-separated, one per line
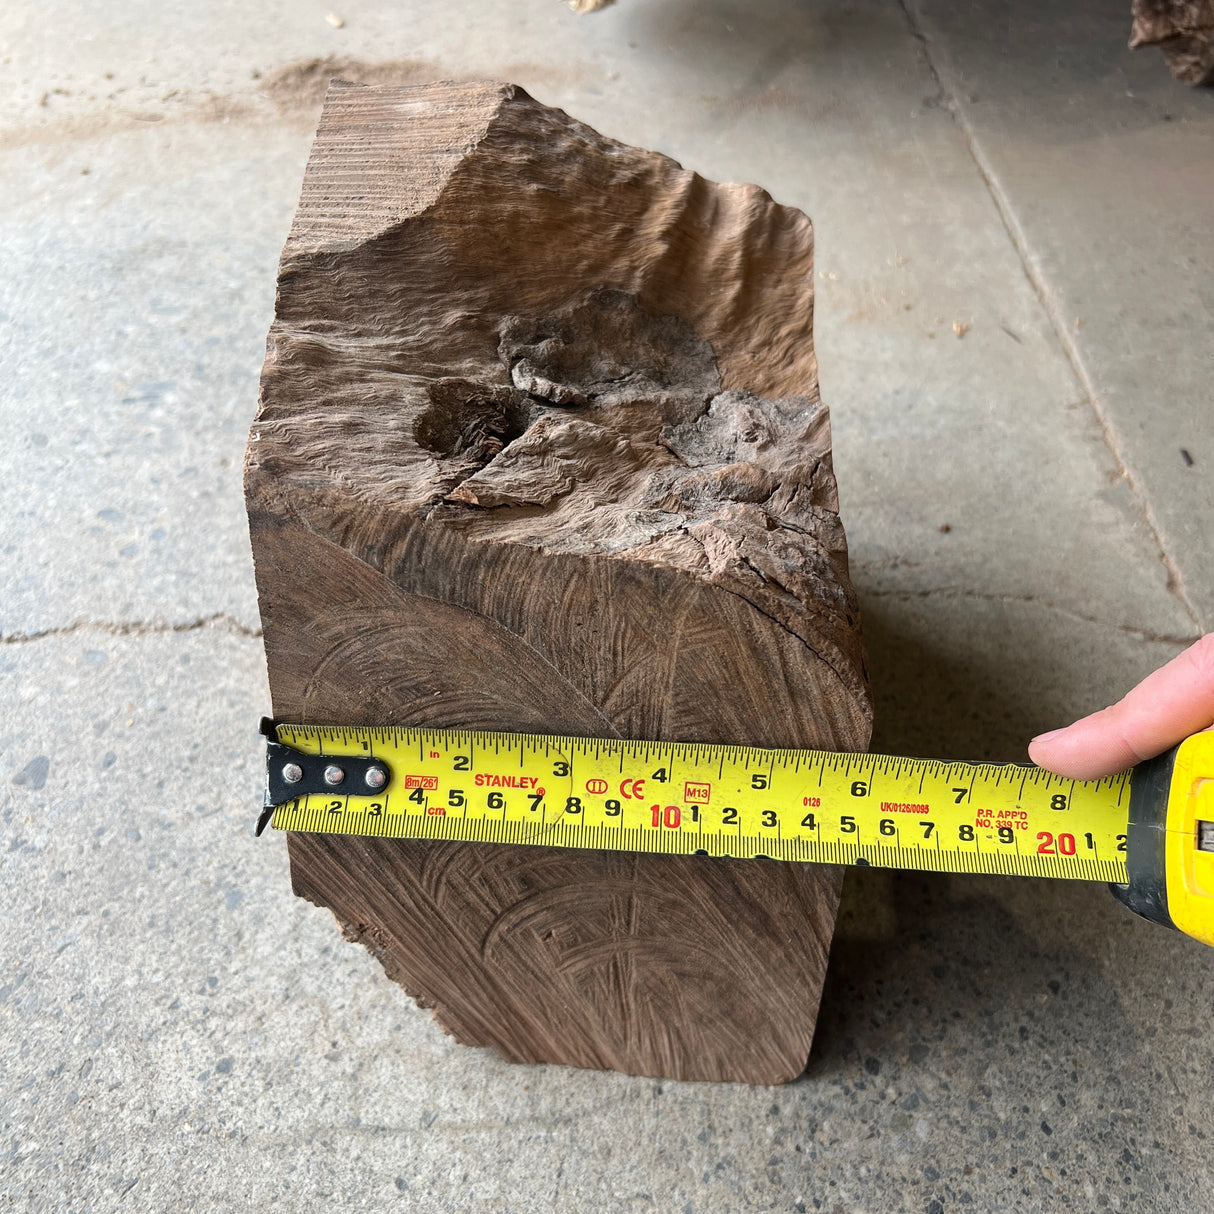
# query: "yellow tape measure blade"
[689,798]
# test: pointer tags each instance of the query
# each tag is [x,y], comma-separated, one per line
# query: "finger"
[1166,707]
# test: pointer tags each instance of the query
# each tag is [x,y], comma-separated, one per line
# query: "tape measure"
[1149,832]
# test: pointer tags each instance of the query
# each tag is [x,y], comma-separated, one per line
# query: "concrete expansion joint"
[1050,304]
[218,620]
[1032,600]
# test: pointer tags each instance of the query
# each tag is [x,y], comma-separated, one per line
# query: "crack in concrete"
[218,619]
[957,592]
[1050,304]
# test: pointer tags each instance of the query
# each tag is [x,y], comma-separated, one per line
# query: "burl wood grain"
[540,448]
[1183,30]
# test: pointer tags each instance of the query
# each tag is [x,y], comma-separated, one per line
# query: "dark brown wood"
[1183,30]
[540,448]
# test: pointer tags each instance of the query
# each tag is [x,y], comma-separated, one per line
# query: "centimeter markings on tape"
[689,798]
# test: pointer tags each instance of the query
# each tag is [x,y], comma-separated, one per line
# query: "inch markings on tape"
[689,798]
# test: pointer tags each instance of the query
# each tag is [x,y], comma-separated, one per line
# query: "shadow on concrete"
[911,950]
[924,966]
[937,697]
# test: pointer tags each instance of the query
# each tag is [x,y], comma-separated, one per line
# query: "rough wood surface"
[1183,30]
[539,448]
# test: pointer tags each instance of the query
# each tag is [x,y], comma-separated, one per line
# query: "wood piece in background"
[540,448]
[1183,30]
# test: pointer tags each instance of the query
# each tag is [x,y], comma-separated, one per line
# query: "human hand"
[1165,708]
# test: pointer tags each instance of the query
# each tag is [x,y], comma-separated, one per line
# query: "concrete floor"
[177,1032]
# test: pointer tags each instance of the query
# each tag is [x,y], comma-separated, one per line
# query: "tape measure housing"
[690,798]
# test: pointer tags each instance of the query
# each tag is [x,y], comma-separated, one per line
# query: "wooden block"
[539,448]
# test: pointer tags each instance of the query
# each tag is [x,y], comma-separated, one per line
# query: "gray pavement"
[177,1032]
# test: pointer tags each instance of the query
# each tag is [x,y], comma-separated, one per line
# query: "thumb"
[1165,708]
